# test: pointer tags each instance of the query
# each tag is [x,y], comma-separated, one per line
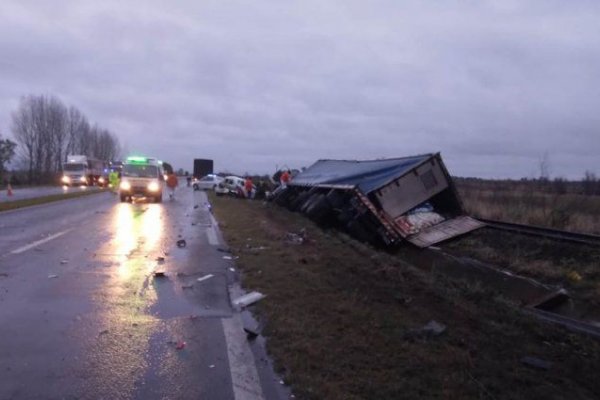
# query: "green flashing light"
[136,159]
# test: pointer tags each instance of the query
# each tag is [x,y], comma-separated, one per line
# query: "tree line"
[47,131]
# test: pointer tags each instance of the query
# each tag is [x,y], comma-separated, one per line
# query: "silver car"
[208,182]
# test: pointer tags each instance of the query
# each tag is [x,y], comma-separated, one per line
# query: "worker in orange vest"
[172,183]
[248,187]
[284,179]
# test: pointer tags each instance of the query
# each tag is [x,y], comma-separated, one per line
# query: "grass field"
[529,205]
[342,320]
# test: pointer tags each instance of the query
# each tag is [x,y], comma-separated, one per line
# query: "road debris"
[196,206]
[159,274]
[52,276]
[187,286]
[537,363]
[181,243]
[3,275]
[160,259]
[295,238]
[63,262]
[211,366]
[222,250]
[431,329]
[104,332]
[248,299]
[180,345]
[205,277]
[232,269]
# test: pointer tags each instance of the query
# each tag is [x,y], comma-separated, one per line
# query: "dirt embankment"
[343,321]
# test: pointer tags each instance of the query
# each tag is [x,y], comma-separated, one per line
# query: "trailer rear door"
[444,231]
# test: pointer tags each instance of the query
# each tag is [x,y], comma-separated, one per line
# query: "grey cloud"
[492,85]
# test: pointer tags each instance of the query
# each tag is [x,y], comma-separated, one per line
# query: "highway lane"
[83,315]
[40,191]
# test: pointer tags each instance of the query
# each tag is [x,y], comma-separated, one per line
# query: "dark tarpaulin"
[365,175]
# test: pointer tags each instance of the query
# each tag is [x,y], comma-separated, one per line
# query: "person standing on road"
[172,183]
[248,187]
[113,180]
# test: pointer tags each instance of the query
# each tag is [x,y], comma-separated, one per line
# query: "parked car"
[208,182]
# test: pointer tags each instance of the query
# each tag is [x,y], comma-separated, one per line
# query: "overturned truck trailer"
[381,201]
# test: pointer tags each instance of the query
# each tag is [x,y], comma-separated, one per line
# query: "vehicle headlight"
[125,185]
[153,186]
[82,179]
[66,179]
[101,180]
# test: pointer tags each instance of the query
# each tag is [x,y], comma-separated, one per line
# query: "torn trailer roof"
[381,201]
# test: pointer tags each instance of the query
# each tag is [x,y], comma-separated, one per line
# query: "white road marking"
[211,232]
[38,242]
[213,240]
[244,376]
[205,277]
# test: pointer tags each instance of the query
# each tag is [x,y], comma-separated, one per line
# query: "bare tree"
[590,184]
[23,130]
[48,131]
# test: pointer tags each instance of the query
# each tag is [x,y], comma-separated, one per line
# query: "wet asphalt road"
[83,316]
[39,191]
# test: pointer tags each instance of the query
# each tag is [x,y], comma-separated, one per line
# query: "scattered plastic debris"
[52,276]
[536,363]
[211,366]
[227,258]
[296,238]
[248,299]
[431,329]
[205,277]
[232,269]
[181,243]
[180,345]
[574,277]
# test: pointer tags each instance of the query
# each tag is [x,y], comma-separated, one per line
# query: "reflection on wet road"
[84,316]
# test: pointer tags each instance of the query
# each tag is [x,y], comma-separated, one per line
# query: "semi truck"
[202,167]
[81,170]
[385,201]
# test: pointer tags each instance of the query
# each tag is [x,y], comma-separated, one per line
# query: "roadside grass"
[13,205]
[340,318]
[570,265]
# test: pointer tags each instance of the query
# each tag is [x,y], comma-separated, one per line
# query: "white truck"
[83,170]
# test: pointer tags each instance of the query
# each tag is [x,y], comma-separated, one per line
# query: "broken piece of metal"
[248,299]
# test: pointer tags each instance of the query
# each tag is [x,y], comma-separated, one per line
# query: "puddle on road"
[173,301]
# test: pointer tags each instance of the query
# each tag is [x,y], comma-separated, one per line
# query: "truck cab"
[75,171]
[142,177]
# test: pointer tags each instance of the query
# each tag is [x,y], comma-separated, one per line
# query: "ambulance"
[142,177]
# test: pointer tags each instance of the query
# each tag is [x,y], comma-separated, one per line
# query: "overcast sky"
[254,84]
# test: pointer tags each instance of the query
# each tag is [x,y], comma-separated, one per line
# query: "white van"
[142,176]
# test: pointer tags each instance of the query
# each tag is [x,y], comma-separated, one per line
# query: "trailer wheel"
[298,201]
[305,206]
[358,231]
[319,208]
